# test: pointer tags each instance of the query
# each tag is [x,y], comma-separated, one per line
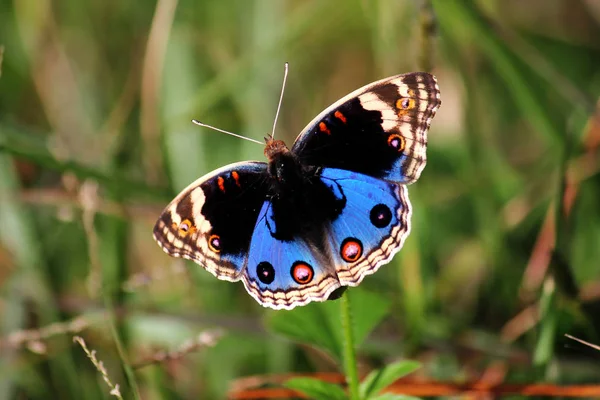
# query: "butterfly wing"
[283,274]
[371,227]
[211,221]
[379,130]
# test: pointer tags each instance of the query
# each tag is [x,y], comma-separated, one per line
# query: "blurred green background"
[96,99]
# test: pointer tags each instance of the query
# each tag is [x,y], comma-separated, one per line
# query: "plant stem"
[349,352]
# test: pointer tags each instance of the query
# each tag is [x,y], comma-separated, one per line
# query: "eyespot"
[302,272]
[396,142]
[380,216]
[185,227]
[265,272]
[405,103]
[214,243]
[351,249]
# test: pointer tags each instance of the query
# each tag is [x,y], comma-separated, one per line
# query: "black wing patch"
[212,220]
[379,130]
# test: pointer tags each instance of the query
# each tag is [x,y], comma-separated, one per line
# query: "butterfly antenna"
[227,132]
[285,74]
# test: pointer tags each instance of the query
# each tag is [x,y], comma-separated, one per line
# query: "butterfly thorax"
[284,166]
[298,196]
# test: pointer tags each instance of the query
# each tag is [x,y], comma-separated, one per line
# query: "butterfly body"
[320,216]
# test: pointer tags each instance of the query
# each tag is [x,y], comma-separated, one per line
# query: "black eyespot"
[265,272]
[381,216]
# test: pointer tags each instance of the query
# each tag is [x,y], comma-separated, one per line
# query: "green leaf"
[317,389]
[379,379]
[310,324]
[319,324]
[368,310]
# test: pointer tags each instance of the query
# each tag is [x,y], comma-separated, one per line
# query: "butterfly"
[319,217]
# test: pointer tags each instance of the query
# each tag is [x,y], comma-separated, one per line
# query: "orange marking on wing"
[186,228]
[221,183]
[340,116]
[236,178]
[324,128]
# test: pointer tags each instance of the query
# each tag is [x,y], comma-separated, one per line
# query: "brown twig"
[32,338]
[205,339]
[1,58]
[88,198]
[414,387]
[426,35]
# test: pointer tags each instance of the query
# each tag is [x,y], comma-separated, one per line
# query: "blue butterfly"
[320,217]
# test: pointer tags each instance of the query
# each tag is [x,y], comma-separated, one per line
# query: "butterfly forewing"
[379,130]
[211,221]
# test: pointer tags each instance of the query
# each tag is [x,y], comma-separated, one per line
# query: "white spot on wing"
[370,101]
[198,199]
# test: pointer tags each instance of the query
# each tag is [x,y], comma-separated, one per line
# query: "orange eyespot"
[214,243]
[405,103]
[186,227]
[302,272]
[396,142]
[351,250]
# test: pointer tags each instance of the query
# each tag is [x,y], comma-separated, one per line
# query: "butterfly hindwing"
[379,130]
[283,274]
[372,226]
[211,221]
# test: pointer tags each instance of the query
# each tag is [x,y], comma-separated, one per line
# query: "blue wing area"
[372,226]
[285,274]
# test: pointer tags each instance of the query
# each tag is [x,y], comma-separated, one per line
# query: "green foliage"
[503,256]
[379,379]
[317,389]
[319,324]
[370,387]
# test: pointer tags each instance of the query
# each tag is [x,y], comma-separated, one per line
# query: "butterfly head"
[284,167]
[274,148]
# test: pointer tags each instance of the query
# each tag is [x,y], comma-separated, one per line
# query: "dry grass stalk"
[114,389]
[204,339]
